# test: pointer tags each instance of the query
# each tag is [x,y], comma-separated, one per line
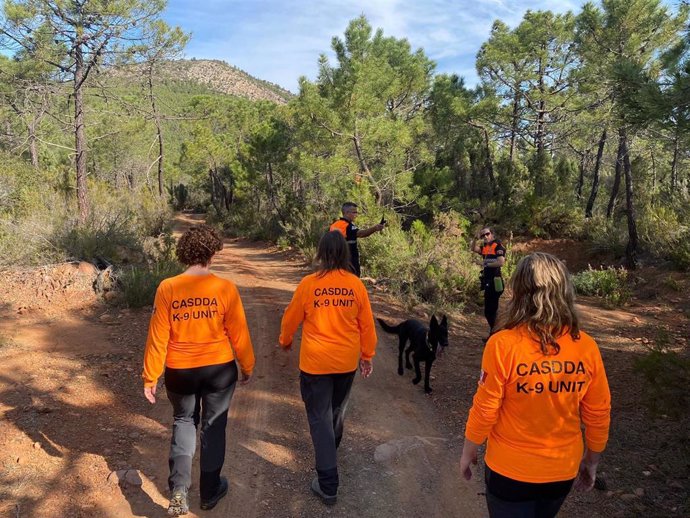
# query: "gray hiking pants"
[203,395]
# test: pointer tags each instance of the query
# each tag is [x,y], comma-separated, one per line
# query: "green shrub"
[664,232]
[680,252]
[304,230]
[667,375]
[673,284]
[109,239]
[117,227]
[610,284]
[431,264]
[551,218]
[139,283]
[606,236]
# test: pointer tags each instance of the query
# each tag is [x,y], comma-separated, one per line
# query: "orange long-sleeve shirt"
[195,320]
[338,324]
[530,405]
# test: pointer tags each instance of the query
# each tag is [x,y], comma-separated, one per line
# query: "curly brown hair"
[198,245]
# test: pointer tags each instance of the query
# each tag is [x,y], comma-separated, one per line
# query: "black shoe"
[222,491]
[326,499]
[178,502]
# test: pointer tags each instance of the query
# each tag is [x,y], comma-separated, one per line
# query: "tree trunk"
[272,193]
[674,163]
[581,178]
[33,150]
[159,133]
[619,169]
[364,168]
[214,196]
[513,129]
[80,134]
[595,176]
[489,163]
[631,248]
[541,110]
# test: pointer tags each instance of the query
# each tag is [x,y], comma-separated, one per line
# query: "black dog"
[424,343]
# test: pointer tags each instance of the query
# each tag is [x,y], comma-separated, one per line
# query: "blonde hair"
[543,300]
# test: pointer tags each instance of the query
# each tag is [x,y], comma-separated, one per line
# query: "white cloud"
[281,40]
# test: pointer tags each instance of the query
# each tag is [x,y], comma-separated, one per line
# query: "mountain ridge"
[221,77]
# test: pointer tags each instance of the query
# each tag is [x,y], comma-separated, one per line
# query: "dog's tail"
[388,328]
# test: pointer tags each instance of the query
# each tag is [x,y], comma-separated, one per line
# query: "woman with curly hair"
[541,377]
[197,330]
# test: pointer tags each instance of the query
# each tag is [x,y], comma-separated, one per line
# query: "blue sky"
[280,40]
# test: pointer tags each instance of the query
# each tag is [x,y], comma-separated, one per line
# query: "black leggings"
[325,399]
[509,498]
[491,304]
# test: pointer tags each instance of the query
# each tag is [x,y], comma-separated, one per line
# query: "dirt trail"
[72,411]
[269,461]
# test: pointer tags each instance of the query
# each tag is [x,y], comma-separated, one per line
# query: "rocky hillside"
[227,79]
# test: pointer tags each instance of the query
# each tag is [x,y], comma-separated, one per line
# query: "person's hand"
[469,456]
[379,227]
[588,471]
[285,348]
[150,394]
[365,368]
[246,378]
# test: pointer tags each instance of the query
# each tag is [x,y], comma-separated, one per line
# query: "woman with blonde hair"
[541,377]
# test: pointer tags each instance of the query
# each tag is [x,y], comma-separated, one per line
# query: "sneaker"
[178,502]
[222,491]
[326,499]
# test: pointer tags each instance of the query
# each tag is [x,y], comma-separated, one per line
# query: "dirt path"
[72,413]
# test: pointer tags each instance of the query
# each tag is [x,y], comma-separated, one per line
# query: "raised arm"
[371,230]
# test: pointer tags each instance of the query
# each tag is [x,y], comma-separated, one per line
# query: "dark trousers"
[211,387]
[325,399]
[491,304]
[509,498]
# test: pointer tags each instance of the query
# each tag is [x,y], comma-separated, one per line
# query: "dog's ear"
[444,321]
[433,323]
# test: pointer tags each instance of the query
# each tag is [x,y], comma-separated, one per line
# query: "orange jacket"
[529,405]
[195,320]
[338,324]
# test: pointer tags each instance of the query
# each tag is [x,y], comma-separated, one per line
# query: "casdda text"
[194,301]
[550,367]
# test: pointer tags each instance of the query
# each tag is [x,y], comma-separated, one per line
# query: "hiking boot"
[326,499]
[222,491]
[178,502]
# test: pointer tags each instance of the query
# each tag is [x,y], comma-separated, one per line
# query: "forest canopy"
[578,128]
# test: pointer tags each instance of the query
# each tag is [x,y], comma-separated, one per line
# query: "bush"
[139,283]
[611,284]
[117,228]
[552,218]
[431,264]
[606,236]
[680,252]
[667,375]
[304,231]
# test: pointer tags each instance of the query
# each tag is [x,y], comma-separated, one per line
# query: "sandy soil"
[71,410]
